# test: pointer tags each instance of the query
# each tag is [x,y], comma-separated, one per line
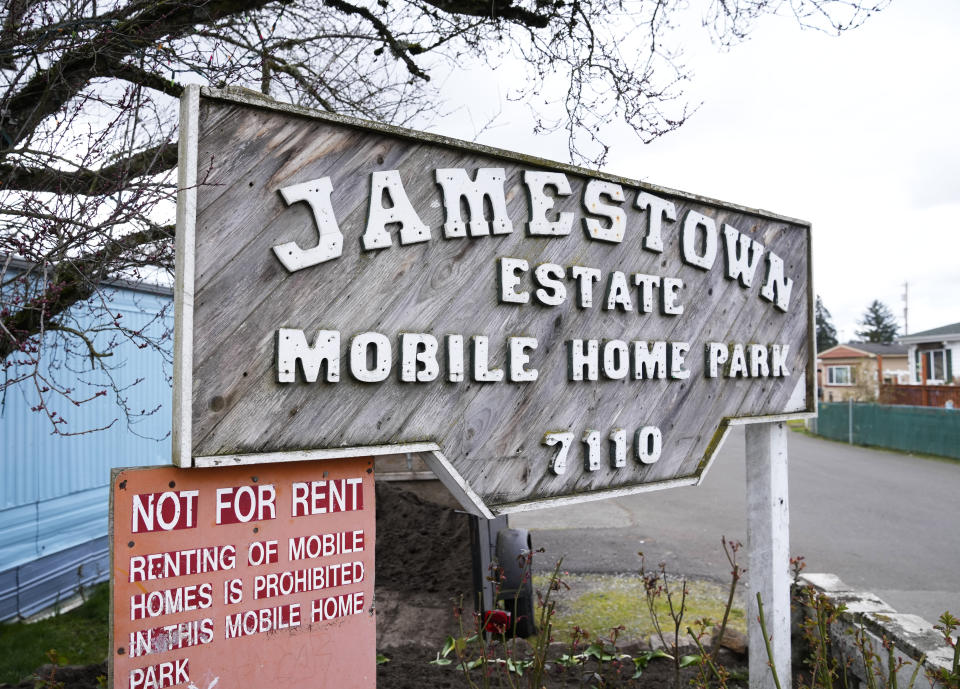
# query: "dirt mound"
[422,547]
[423,567]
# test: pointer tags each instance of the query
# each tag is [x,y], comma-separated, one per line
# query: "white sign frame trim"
[435,459]
[187,147]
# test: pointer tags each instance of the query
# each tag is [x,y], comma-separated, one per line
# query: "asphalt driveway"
[882,521]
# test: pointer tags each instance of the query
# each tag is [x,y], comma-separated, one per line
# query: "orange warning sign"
[259,576]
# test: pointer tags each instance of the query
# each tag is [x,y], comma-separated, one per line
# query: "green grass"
[599,603]
[78,637]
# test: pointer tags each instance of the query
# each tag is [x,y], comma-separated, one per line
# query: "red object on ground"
[497,621]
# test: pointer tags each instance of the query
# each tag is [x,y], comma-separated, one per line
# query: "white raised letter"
[418,353]
[742,255]
[646,283]
[595,206]
[482,373]
[381,357]
[657,210]
[649,362]
[738,362]
[519,358]
[618,293]
[585,278]
[292,347]
[758,361]
[580,359]
[552,291]
[456,184]
[616,359]
[540,203]
[668,297]
[677,352]
[455,358]
[509,280]
[316,193]
[648,444]
[717,355]
[692,222]
[776,281]
[779,358]
[412,229]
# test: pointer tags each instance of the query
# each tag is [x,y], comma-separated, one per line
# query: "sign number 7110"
[647,446]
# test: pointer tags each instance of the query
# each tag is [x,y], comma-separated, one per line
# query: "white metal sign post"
[768,541]
[543,334]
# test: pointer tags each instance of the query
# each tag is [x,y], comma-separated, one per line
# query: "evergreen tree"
[878,323]
[826,333]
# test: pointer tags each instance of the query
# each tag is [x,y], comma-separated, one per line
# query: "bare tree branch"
[150,80]
[496,10]
[106,180]
[50,89]
[88,117]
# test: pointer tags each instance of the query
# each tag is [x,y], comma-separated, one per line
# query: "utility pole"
[906,286]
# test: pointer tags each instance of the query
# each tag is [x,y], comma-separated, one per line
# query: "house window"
[936,362]
[839,375]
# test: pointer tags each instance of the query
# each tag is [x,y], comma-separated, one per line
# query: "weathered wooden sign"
[243,576]
[544,332]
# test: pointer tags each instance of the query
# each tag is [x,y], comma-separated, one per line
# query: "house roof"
[146,285]
[850,350]
[881,348]
[944,331]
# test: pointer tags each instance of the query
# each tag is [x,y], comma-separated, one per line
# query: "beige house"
[851,370]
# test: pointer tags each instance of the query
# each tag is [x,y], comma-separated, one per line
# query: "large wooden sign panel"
[255,577]
[545,332]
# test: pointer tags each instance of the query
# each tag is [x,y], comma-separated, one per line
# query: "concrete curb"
[913,637]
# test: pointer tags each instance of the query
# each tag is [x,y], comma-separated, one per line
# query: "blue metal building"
[54,489]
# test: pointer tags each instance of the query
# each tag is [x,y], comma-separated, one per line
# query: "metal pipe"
[850,420]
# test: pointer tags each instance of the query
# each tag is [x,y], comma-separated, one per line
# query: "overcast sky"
[857,134]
